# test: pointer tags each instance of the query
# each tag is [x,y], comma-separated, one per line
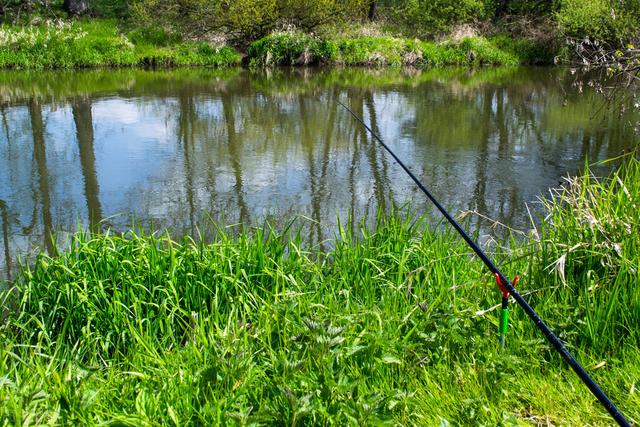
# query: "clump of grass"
[529,51]
[158,48]
[302,49]
[187,54]
[64,45]
[495,50]
[395,324]
[288,48]
[370,51]
[100,44]
[434,54]
[597,217]
[483,51]
[589,242]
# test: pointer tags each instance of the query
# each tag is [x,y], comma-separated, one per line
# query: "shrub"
[601,19]
[430,17]
[109,8]
[309,15]
[243,21]
[524,7]
[287,49]
[370,51]
[247,20]
[153,36]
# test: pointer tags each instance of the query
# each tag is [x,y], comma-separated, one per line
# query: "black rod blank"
[548,333]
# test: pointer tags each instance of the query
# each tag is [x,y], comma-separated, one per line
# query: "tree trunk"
[373,9]
[502,6]
[76,7]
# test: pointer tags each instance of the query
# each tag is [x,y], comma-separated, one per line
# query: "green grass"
[99,43]
[292,48]
[590,239]
[392,326]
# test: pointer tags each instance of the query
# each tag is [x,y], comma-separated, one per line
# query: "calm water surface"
[169,149]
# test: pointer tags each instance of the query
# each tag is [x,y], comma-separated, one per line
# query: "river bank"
[394,324]
[100,43]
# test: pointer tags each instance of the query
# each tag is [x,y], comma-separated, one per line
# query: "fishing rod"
[5,235]
[506,284]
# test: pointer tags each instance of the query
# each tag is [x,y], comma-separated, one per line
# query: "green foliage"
[485,52]
[245,19]
[601,19]
[242,21]
[23,10]
[287,49]
[372,51]
[153,36]
[64,45]
[525,7]
[394,325]
[309,15]
[497,50]
[580,18]
[424,18]
[506,50]
[99,43]
[527,51]
[434,54]
[186,54]
[590,239]
[301,49]
[109,8]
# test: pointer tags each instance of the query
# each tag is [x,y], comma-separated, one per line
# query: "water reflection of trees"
[254,147]
[83,120]
[234,147]
[40,156]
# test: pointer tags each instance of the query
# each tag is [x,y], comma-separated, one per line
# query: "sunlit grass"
[395,325]
[590,244]
[99,43]
[295,48]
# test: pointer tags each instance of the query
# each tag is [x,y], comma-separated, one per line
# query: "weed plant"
[394,325]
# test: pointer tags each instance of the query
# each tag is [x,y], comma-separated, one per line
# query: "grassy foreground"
[396,326]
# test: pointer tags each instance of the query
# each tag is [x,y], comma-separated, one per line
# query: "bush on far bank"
[603,20]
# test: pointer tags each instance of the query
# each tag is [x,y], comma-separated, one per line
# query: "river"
[174,149]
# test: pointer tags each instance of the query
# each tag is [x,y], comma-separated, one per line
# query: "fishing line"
[550,336]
